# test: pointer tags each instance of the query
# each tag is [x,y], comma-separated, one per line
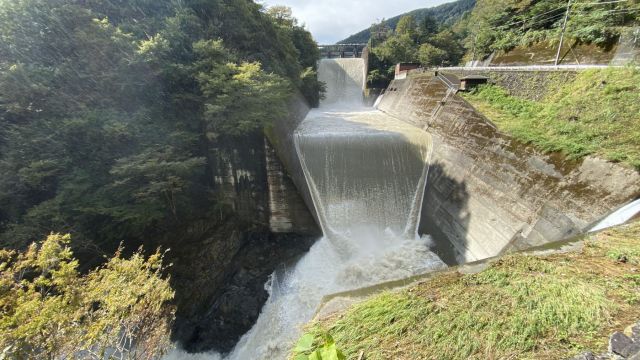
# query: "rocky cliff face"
[488,193]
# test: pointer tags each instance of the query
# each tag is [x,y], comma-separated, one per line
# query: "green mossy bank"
[597,113]
[522,306]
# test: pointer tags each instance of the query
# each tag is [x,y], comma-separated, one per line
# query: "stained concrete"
[222,261]
[487,193]
[280,135]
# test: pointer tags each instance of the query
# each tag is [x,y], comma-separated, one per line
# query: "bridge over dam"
[343,51]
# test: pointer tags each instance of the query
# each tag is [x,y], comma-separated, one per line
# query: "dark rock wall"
[486,192]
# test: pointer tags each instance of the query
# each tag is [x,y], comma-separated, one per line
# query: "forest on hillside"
[445,14]
[111,114]
[109,110]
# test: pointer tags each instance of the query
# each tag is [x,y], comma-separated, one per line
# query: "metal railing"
[525,68]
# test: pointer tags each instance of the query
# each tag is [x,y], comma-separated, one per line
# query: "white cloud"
[333,20]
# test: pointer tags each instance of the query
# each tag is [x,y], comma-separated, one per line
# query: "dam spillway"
[364,169]
[366,174]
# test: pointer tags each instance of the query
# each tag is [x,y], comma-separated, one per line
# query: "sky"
[333,20]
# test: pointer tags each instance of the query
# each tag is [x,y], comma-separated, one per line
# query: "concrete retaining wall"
[486,192]
[280,135]
[531,85]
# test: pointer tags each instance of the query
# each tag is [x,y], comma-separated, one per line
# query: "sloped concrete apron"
[486,192]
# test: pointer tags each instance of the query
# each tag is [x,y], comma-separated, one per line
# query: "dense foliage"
[422,36]
[111,111]
[425,42]
[470,30]
[49,310]
[504,24]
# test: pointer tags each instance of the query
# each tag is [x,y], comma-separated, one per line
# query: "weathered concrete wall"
[622,51]
[287,210]
[545,54]
[280,135]
[487,192]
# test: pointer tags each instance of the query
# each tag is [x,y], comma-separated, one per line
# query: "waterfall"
[366,173]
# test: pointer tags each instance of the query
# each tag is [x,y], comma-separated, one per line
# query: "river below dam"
[366,173]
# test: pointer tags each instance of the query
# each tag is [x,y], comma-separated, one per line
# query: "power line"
[613,11]
[531,23]
[602,3]
[558,16]
[533,17]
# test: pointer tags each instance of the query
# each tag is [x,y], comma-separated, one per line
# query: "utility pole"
[564,27]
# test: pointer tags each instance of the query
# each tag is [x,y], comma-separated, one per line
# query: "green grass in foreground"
[598,113]
[522,306]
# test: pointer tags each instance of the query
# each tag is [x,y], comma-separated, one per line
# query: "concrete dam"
[365,174]
[420,182]
[485,192]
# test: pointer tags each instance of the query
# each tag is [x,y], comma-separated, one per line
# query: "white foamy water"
[366,173]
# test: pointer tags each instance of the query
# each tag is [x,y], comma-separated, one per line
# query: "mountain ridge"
[446,13]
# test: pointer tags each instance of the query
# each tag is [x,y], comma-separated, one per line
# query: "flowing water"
[366,174]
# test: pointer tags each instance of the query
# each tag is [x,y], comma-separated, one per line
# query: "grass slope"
[598,113]
[522,306]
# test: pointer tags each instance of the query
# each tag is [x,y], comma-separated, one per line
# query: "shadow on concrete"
[444,215]
[223,259]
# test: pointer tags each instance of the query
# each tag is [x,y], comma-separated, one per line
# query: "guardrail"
[447,82]
[524,68]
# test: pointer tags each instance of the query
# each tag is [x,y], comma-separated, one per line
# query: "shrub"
[48,309]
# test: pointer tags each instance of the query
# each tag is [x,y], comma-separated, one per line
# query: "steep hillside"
[130,123]
[500,26]
[445,14]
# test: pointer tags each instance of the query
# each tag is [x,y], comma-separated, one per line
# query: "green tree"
[307,52]
[450,44]
[282,15]
[379,33]
[396,49]
[111,112]
[427,27]
[407,26]
[430,55]
[238,98]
